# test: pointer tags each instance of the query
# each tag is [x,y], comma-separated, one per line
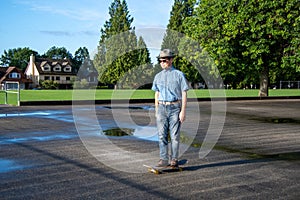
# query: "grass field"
[50,95]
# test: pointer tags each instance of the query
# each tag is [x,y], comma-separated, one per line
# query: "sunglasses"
[163,60]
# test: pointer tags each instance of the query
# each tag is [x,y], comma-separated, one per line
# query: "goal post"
[11,87]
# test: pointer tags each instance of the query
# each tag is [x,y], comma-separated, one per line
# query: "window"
[14,75]
[68,78]
[46,68]
[67,69]
[47,78]
[57,78]
[57,68]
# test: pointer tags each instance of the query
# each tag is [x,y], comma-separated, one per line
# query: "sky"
[42,24]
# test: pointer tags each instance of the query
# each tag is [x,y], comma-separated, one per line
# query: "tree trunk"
[264,82]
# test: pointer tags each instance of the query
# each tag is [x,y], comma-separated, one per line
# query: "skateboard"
[166,169]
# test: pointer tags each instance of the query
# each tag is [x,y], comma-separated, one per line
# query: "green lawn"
[49,95]
[244,93]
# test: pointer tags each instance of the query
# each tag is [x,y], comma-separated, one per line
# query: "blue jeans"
[167,119]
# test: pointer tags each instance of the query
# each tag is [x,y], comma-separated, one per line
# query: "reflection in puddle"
[50,114]
[131,107]
[144,133]
[140,132]
[36,138]
[119,132]
[10,165]
[39,113]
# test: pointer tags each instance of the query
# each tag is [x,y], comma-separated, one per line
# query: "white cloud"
[73,11]
[69,33]
[57,33]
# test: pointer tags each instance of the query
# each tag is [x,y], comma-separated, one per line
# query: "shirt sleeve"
[154,85]
[184,83]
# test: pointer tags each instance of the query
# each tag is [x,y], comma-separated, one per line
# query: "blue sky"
[41,24]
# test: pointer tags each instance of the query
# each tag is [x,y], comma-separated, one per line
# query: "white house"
[41,69]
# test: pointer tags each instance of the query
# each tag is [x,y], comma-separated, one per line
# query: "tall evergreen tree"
[116,50]
[181,9]
[174,34]
[143,52]
[80,56]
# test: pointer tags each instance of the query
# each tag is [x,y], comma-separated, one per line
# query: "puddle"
[10,165]
[57,115]
[249,153]
[25,114]
[140,132]
[64,115]
[36,138]
[283,120]
[278,120]
[144,133]
[119,132]
[131,107]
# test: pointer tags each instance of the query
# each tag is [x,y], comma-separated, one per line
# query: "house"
[87,75]
[15,75]
[42,69]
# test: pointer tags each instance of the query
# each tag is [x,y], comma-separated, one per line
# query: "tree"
[249,39]
[86,75]
[181,10]
[18,57]
[58,53]
[143,52]
[140,76]
[80,55]
[117,46]
[112,43]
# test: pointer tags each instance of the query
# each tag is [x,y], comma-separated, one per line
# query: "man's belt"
[168,102]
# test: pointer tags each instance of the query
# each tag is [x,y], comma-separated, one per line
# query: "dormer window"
[57,68]
[68,69]
[14,75]
[46,68]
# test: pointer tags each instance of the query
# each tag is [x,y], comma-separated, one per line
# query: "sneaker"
[162,163]
[174,163]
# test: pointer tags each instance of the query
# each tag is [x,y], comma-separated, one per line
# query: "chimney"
[31,63]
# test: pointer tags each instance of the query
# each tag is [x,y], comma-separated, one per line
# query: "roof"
[5,71]
[41,62]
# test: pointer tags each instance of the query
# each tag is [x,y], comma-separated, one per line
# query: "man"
[170,88]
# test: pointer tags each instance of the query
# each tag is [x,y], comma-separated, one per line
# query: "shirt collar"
[169,69]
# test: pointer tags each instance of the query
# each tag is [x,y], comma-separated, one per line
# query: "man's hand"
[181,116]
[183,107]
[156,103]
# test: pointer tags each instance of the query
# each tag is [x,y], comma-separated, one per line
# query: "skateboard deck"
[166,169]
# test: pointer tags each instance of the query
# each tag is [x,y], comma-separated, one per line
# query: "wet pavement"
[59,152]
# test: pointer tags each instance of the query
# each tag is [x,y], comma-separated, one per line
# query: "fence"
[11,87]
[289,84]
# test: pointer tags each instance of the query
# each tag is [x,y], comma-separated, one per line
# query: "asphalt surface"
[56,152]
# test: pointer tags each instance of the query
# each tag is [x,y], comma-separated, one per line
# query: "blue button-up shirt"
[170,83]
